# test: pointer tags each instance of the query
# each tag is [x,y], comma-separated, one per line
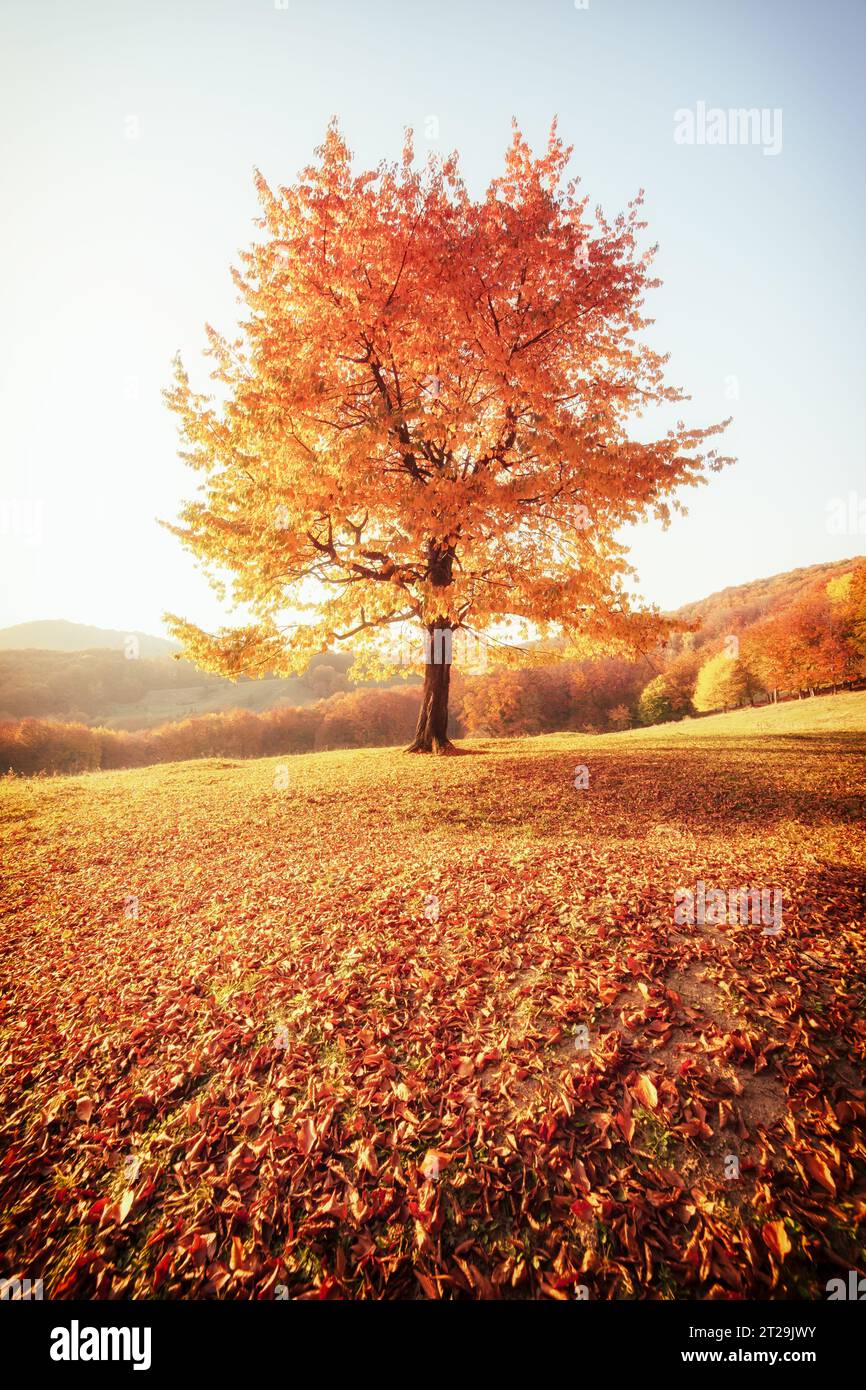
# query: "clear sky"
[130,132]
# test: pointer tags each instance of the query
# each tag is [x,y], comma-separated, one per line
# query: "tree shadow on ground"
[709,789]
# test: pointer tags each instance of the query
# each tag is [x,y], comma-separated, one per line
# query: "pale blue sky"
[116,249]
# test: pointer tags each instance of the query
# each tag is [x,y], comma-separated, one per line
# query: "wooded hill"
[792,633]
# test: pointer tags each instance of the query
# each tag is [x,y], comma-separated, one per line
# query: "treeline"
[589,695]
[817,642]
[738,608]
[29,746]
[125,690]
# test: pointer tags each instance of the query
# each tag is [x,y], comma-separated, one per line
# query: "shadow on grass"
[706,789]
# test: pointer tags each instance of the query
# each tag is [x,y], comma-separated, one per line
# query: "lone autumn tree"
[426,420]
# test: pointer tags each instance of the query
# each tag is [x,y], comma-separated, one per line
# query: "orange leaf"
[307,1136]
[775,1238]
[367,1159]
[433,1162]
[625,1125]
[646,1092]
[422,1239]
[817,1168]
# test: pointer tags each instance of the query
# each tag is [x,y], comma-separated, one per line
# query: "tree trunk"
[431,731]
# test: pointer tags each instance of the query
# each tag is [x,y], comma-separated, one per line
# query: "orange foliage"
[592,695]
[360,718]
[804,647]
[426,416]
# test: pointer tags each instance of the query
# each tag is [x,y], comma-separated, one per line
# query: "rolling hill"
[737,608]
[58,635]
[71,671]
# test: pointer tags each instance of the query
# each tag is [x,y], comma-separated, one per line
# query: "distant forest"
[794,634]
[108,688]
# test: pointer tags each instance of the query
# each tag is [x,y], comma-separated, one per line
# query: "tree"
[619,717]
[669,695]
[599,686]
[425,420]
[654,705]
[764,649]
[680,678]
[847,596]
[817,653]
[811,642]
[510,702]
[723,683]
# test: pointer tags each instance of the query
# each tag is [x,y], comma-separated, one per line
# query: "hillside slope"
[844,713]
[362,1025]
[736,608]
[58,635]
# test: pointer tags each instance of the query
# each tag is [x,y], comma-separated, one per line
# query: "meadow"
[354,1024]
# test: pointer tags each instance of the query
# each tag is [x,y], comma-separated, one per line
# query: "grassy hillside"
[318,1025]
[843,713]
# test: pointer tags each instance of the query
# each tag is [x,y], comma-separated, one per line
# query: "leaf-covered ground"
[326,1039]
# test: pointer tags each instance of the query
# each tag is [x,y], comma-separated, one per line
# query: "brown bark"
[431,731]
